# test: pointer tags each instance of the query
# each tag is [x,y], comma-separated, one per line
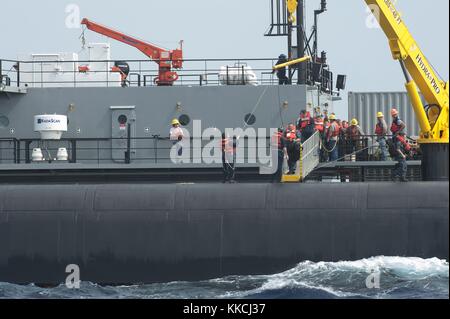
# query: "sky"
[231,29]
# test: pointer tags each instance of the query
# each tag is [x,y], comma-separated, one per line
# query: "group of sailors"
[341,139]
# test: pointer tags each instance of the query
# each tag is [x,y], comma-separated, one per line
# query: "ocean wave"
[398,277]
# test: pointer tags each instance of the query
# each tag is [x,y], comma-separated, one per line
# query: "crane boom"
[418,72]
[164,58]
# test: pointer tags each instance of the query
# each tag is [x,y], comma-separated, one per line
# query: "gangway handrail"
[309,159]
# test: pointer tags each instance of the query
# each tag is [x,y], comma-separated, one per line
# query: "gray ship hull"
[131,233]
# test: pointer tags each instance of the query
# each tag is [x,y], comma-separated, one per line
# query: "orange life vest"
[319,125]
[305,120]
[337,129]
[291,135]
[395,127]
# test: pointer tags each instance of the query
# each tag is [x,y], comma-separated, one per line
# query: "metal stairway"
[309,160]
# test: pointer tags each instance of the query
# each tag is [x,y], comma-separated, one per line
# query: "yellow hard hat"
[354,122]
[380,114]
[175,122]
[332,117]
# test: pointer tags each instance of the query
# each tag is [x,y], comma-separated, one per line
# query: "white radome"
[51,127]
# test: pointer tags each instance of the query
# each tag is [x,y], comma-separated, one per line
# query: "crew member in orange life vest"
[398,126]
[318,124]
[228,158]
[305,125]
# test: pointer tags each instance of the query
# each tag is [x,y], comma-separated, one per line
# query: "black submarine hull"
[147,233]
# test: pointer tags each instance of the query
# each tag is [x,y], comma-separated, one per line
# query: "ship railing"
[9,151]
[138,150]
[143,73]
[156,149]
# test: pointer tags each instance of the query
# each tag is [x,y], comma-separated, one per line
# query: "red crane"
[166,59]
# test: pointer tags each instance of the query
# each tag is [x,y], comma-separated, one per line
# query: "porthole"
[250,119]
[122,119]
[184,119]
[4,121]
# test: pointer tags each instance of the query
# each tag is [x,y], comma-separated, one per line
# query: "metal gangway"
[309,160]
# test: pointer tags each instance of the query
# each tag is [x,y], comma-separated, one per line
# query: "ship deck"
[188,173]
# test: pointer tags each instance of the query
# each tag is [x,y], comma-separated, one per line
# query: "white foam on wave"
[404,267]
[347,279]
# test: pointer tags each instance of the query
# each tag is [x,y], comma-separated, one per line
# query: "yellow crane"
[420,75]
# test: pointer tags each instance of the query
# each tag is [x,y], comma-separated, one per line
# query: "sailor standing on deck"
[381,130]
[293,145]
[228,146]
[176,136]
[278,147]
[332,138]
[355,138]
[281,73]
[400,146]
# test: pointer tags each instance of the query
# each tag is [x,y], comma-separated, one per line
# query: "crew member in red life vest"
[398,126]
[401,146]
[279,146]
[333,138]
[381,130]
[301,121]
[293,144]
[228,158]
[305,125]
[398,130]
